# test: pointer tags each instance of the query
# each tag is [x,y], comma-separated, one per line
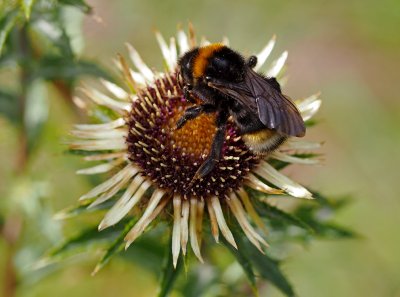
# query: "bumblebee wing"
[275,110]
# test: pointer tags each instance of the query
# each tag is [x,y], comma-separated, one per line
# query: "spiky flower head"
[152,163]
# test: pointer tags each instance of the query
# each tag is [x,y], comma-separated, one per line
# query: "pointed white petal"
[277,65]
[199,223]
[292,159]
[193,229]
[185,225]
[115,90]
[129,170]
[100,134]
[165,51]
[103,99]
[192,36]
[110,156]
[298,144]
[182,42]
[127,74]
[99,144]
[213,221]
[221,221]
[258,185]
[309,107]
[139,64]
[128,200]
[240,215]
[251,211]
[303,103]
[101,127]
[105,167]
[204,42]
[138,78]
[173,52]
[110,193]
[270,174]
[146,218]
[264,54]
[225,41]
[79,102]
[176,231]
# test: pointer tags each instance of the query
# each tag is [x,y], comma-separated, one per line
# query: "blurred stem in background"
[13,222]
[25,78]
[34,47]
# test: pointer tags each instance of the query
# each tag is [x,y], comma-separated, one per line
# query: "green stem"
[13,224]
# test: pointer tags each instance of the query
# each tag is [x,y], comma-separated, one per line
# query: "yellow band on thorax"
[201,60]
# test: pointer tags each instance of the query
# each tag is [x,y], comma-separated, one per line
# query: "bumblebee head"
[185,66]
[215,61]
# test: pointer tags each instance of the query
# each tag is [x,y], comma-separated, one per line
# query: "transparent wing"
[275,110]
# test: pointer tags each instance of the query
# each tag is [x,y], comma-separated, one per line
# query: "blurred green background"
[348,50]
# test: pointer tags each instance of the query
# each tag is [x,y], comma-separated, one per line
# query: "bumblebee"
[226,84]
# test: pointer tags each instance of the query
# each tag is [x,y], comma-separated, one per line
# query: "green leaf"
[334,204]
[82,208]
[311,122]
[9,106]
[318,215]
[27,7]
[36,111]
[72,21]
[116,247]
[49,32]
[244,261]
[82,5]
[270,270]
[198,283]
[279,165]
[169,274]
[56,67]
[267,267]
[314,217]
[86,240]
[84,153]
[6,24]
[148,250]
[333,231]
[275,214]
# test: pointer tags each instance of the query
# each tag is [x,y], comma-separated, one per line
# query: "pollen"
[195,138]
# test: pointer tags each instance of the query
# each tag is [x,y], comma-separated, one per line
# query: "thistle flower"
[153,163]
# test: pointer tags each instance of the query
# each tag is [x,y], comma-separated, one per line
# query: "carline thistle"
[156,165]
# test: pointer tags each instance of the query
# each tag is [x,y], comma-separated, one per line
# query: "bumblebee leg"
[193,112]
[187,93]
[252,61]
[216,147]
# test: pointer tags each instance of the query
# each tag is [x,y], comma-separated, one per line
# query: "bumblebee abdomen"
[263,141]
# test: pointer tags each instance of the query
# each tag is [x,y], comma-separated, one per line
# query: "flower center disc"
[170,157]
[195,137]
